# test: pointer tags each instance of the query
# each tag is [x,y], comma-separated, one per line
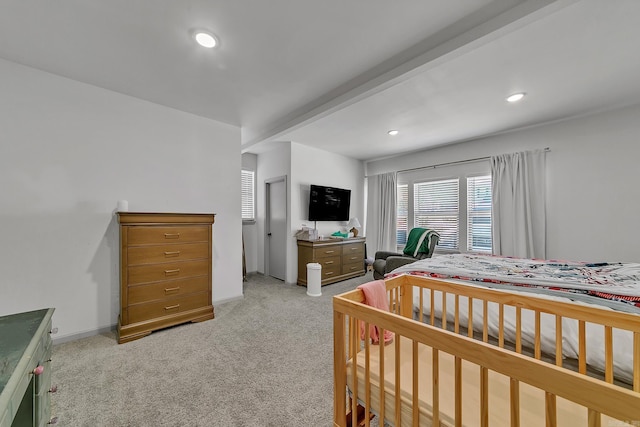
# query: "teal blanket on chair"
[419,241]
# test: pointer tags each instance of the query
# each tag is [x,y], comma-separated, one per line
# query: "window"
[479,213]
[402,215]
[248,195]
[436,206]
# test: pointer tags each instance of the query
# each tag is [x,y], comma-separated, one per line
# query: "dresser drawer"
[167,271]
[328,251]
[166,253]
[167,307]
[351,258]
[145,235]
[353,249]
[157,291]
[354,267]
[330,271]
[329,262]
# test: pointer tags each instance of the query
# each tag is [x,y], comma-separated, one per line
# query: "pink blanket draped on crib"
[375,295]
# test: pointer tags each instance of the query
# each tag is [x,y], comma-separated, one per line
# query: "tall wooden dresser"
[165,271]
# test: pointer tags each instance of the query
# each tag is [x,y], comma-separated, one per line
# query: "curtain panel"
[519,204]
[381,212]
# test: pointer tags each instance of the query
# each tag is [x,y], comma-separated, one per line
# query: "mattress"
[532,400]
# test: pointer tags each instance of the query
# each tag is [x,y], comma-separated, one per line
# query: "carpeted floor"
[265,360]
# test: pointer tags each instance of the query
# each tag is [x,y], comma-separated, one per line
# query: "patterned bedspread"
[610,281]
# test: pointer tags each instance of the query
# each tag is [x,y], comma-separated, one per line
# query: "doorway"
[275,245]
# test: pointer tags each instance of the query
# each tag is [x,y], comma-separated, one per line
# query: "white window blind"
[402,215]
[479,213]
[436,206]
[248,196]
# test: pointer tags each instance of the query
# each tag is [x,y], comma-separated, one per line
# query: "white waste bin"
[314,277]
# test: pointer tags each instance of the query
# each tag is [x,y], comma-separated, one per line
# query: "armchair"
[421,243]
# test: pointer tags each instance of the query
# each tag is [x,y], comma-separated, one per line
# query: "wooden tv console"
[340,259]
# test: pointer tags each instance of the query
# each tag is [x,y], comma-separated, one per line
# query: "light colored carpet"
[265,360]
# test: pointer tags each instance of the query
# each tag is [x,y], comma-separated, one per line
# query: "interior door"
[276,229]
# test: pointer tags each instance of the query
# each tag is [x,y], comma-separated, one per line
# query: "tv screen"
[329,203]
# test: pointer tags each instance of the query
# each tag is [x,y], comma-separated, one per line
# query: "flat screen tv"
[329,203]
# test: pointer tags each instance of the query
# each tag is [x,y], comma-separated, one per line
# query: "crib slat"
[519,329]
[355,335]
[594,418]
[485,321]
[421,306]
[550,410]
[470,318]
[458,391]
[340,371]
[456,324]
[636,361]
[537,346]
[501,326]
[558,340]
[444,310]
[608,354]
[484,396]
[582,347]
[381,376]
[367,379]
[433,312]
[435,383]
[514,394]
[397,380]
[416,375]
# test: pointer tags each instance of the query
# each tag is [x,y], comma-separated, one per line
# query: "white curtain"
[519,225]
[381,213]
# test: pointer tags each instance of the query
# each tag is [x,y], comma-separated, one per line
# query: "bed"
[474,349]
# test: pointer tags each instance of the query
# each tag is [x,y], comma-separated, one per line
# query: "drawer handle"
[329,262]
[354,257]
[53,389]
[172,307]
[354,249]
[355,268]
[172,253]
[329,252]
[53,331]
[167,290]
[171,235]
[53,420]
[38,370]
[176,271]
[328,273]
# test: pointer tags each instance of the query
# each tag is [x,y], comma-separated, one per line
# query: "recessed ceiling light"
[205,39]
[515,97]
[393,132]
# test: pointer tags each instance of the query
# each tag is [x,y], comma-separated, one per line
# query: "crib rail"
[442,334]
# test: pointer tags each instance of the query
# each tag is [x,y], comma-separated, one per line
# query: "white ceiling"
[338,74]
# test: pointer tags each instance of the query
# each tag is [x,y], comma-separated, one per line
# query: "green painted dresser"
[25,369]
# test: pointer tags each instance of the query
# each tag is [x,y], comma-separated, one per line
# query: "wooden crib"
[443,373]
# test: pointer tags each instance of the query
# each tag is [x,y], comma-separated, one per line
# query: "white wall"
[70,151]
[312,166]
[592,174]
[250,231]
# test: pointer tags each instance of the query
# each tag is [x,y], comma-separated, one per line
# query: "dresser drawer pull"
[53,389]
[171,235]
[53,331]
[329,262]
[329,252]
[172,307]
[354,249]
[167,290]
[38,370]
[328,273]
[53,420]
[172,253]
[176,271]
[355,268]
[354,257]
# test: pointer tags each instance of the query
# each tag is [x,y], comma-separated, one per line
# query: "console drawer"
[168,271]
[166,289]
[167,307]
[137,255]
[146,235]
